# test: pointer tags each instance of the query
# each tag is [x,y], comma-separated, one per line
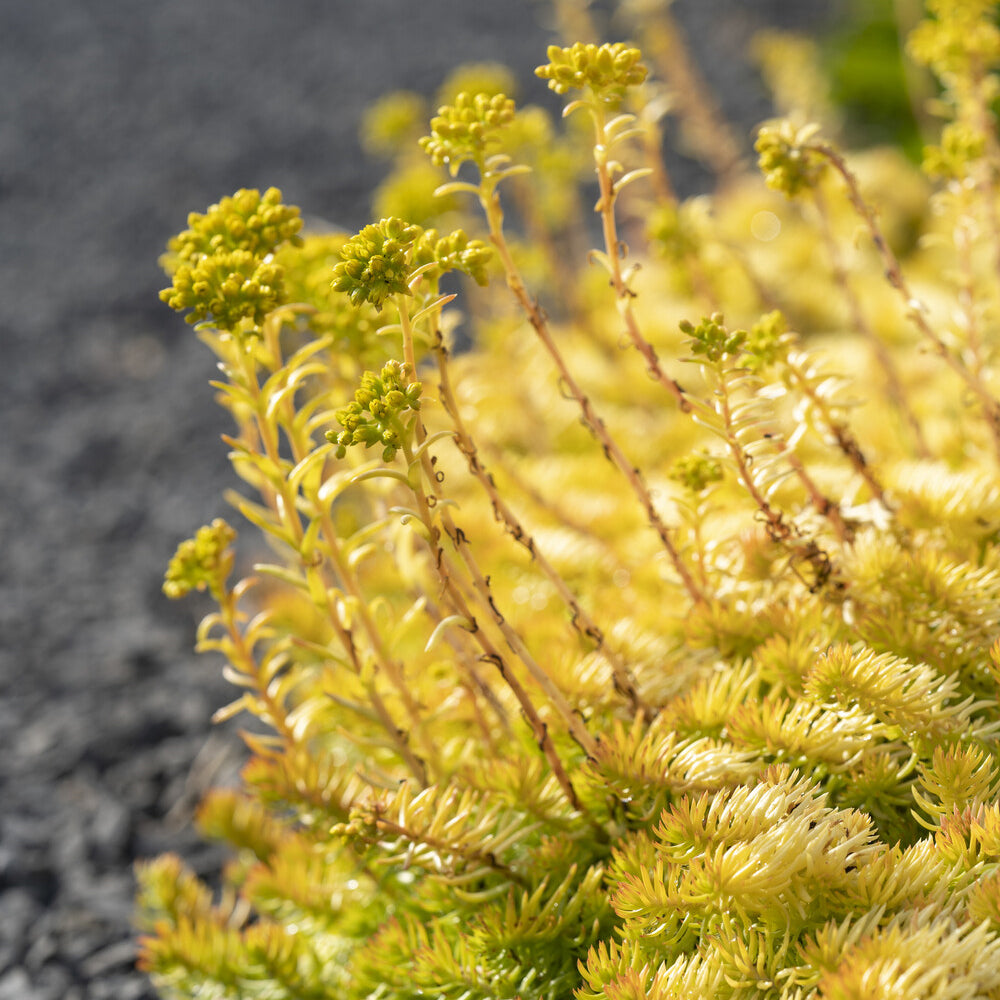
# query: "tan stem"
[893,382]
[584,624]
[846,441]
[593,422]
[823,504]
[706,130]
[550,506]
[614,252]
[915,309]
[458,605]
[781,531]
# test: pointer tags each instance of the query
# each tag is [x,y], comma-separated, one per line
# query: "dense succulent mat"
[726,726]
[114,116]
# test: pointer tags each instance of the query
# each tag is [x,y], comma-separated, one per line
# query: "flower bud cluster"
[785,160]
[392,123]
[454,252]
[202,561]
[469,129]
[696,472]
[374,415]
[607,70]
[246,221]
[376,263]
[767,342]
[351,332]
[960,146]
[531,137]
[221,265]
[710,338]
[672,233]
[230,286]
[962,35]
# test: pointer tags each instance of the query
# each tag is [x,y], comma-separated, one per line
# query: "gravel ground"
[117,119]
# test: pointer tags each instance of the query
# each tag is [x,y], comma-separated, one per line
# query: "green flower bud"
[960,35]
[787,164]
[469,129]
[455,252]
[349,416]
[234,289]
[696,472]
[202,561]
[246,221]
[767,342]
[960,146]
[391,375]
[392,123]
[672,233]
[374,415]
[221,264]
[606,70]
[710,338]
[375,263]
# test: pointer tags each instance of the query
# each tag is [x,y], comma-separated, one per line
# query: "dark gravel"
[116,119]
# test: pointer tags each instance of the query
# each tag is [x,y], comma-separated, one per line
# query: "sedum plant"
[650,648]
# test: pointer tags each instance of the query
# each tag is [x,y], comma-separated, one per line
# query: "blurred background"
[116,119]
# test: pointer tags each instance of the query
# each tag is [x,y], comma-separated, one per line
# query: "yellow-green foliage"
[653,649]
